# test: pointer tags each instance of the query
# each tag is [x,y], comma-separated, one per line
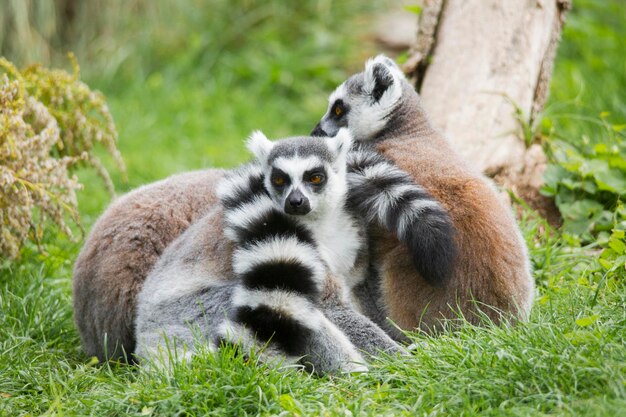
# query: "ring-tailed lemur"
[283,261]
[273,301]
[298,203]
[491,273]
[284,213]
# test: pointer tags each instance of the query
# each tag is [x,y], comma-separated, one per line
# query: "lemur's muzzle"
[318,131]
[297,203]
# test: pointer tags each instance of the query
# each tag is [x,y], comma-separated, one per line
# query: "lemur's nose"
[318,131]
[296,201]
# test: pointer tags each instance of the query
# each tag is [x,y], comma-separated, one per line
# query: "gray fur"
[184,296]
[303,146]
[361,331]
[369,298]
[354,84]
[182,322]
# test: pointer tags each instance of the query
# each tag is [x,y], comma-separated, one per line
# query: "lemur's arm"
[362,332]
[385,195]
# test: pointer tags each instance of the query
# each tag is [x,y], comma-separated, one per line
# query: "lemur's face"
[298,184]
[304,175]
[364,101]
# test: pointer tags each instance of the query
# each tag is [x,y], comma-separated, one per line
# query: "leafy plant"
[586,175]
[613,257]
[49,122]
[588,183]
[82,115]
[30,178]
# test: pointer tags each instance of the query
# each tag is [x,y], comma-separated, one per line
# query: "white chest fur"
[339,242]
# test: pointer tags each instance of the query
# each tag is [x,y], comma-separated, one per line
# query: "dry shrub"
[82,115]
[49,121]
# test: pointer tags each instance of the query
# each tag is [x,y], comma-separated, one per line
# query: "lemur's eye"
[278,181]
[317,179]
[339,109]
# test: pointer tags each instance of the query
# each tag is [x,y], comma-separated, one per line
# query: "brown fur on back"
[492,266]
[122,248]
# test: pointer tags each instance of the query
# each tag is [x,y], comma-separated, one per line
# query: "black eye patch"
[339,109]
[279,178]
[316,177]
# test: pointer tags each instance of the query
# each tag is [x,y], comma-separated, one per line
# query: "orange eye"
[278,181]
[338,111]
[316,179]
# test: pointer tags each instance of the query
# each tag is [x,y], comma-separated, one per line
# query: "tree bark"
[483,69]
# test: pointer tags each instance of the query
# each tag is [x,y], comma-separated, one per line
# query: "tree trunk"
[483,69]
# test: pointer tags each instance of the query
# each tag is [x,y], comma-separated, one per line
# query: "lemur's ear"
[380,74]
[259,145]
[341,144]
[385,60]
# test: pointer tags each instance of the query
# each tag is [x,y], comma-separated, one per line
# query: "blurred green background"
[187,81]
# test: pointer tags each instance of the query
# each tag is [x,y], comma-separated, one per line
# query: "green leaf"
[601,149]
[543,300]
[289,404]
[618,128]
[554,174]
[570,184]
[580,337]
[589,186]
[571,240]
[414,9]
[547,190]
[603,222]
[611,179]
[402,58]
[587,321]
[618,162]
[617,245]
[590,167]
[579,216]
[605,264]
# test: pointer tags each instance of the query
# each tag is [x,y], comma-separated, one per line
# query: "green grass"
[570,359]
[192,108]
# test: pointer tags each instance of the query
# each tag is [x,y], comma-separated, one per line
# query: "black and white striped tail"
[388,196]
[278,265]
